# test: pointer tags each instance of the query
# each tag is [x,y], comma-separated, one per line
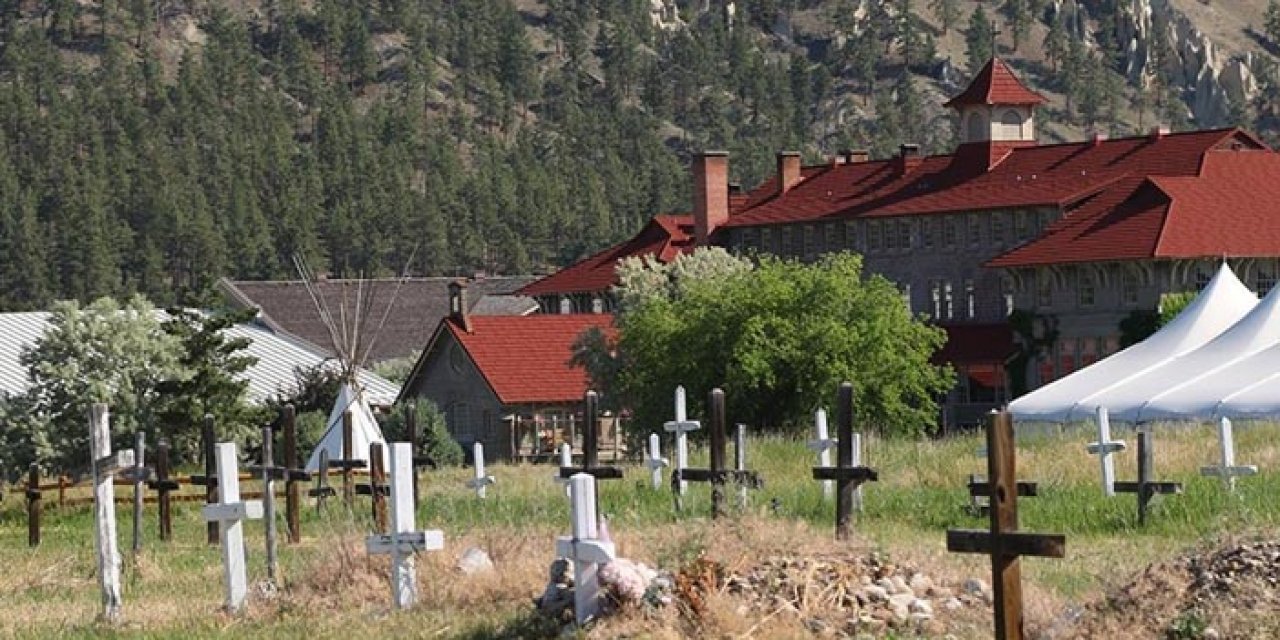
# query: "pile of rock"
[852,593]
[1248,574]
[627,583]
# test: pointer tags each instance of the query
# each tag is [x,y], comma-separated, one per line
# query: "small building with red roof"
[507,381]
[1030,255]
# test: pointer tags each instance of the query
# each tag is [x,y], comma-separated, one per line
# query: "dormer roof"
[996,84]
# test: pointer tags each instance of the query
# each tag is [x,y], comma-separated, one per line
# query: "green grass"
[175,589]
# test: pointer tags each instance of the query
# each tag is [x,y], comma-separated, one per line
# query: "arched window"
[976,127]
[1011,125]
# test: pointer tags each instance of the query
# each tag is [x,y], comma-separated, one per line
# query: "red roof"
[996,84]
[664,237]
[525,359]
[976,344]
[1061,175]
[1230,207]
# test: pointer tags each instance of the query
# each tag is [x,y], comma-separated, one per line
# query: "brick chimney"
[908,158]
[856,156]
[1097,138]
[710,194]
[788,171]
[1159,131]
[458,305]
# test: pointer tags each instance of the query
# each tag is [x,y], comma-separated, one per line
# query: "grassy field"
[331,589]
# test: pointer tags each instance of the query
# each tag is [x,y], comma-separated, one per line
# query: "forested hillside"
[156,145]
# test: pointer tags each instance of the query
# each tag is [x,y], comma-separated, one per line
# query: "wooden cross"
[163,485]
[590,448]
[322,491]
[1004,543]
[210,478]
[377,487]
[139,477]
[1227,469]
[681,426]
[717,473]
[348,464]
[33,505]
[585,548]
[1146,488]
[230,512]
[655,461]
[480,480]
[269,473]
[740,461]
[403,541]
[822,444]
[847,473]
[1103,448]
[979,488]
[105,466]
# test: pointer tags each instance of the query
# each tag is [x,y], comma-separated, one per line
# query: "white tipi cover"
[364,430]
[1223,302]
[1182,375]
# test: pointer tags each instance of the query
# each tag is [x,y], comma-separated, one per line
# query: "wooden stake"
[210,470]
[33,505]
[269,501]
[847,473]
[348,482]
[378,480]
[163,485]
[139,478]
[411,425]
[292,490]
[104,510]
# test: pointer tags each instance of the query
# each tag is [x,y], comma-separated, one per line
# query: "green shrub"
[434,440]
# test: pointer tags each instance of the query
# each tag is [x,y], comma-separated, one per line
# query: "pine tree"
[1271,22]
[1018,17]
[947,12]
[979,40]
[1055,41]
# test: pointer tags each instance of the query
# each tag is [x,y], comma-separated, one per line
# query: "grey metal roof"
[278,357]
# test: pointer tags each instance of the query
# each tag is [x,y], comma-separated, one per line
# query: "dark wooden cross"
[980,488]
[210,479]
[1145,487]
[717,474]
[1004,543]
[322,491]
[347,463]
[33,505]
[294,474]
[846,473]
[270,472]
[376,487]
[163,485]
[590,444]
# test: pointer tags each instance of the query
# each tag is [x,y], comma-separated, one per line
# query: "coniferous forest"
[153,146]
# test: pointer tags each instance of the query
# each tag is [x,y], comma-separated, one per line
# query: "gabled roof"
[1047,175]
[996,84]
[664,237]
[420,303]
[525,359]
[1231,207]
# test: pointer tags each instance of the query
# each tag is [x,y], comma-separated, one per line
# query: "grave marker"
[230,512]
[740,462]
[269,472]
[590,448]
[139,478]
[348,464]
[1103,448]
[322,491]
[403,541]
[681,426]
[1227,469]
[105,466]
[162,484]
[847,473]
[980,490]
[566,460]
[585,548]
[717,473]
[480,480]
[33,505]
[1004,543]
[655,461]
[377,488]
[294,474]
[1146,488]
[209,480]
[822,445]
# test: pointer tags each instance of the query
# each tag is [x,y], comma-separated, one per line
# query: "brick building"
[1075,237]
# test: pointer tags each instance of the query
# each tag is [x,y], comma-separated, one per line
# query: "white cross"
[585,548]
[681,426]
[1228,469]
[230,512]
[480,481]
[104,508]
[857,462]
[566,460]
[655,461]
[823,444]
[403,541]
[1103,448]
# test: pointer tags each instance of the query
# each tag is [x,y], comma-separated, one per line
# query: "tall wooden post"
[348,482]
[210,473]
[848,474]
[269,500]
[139,478]
[33,505]
[292,490]
[715,407]
[378,481]
[163,485]
[104,510]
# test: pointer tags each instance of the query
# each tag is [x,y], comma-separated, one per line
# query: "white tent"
[364,430]
[1222,303]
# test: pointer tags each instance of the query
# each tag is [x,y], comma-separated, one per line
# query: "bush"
[434,440]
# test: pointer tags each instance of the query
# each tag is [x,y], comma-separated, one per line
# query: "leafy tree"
[106,352]
[979,40]
[778,339]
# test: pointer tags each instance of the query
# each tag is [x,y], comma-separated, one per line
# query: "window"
[1086,288]
[1044,289]
[831,241]
[810,238]
[766,241]
[873,236]
[1203,274]
[947,301]
[1266,279]
[750,238]
[1129,285]
[458,359]
[949,232]
[975,127]
[597,305]
[890,235]
[935,297]
[997,228]
[784,242]
[851,236]
[970,300]
[458,417]
[904,234]
[927,232]
[1021,225]
[1010,125]
[975,230]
